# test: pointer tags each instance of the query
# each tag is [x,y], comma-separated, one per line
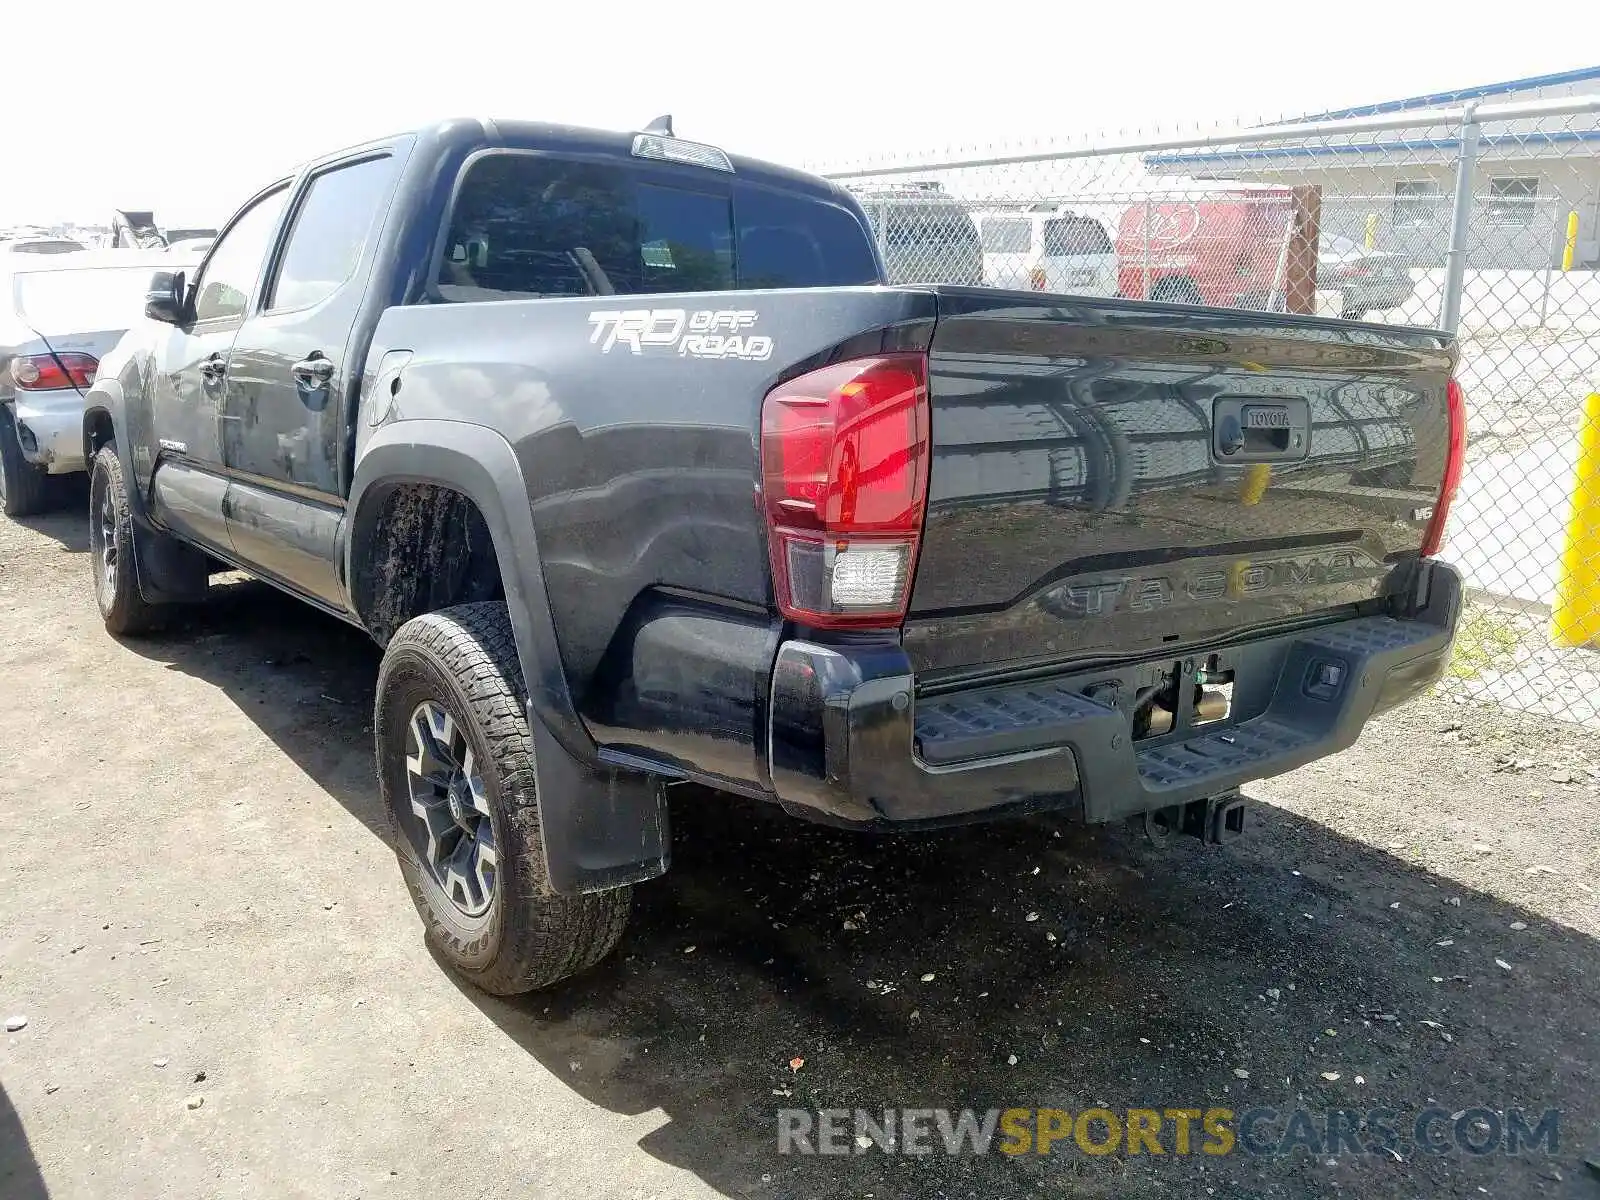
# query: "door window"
[338,215]
[229,274]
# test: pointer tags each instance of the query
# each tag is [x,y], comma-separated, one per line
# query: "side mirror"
[166,296]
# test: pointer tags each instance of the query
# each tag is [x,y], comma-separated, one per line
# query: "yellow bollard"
[1570,250]
[1372,231]
[1254,484]
[1575,615]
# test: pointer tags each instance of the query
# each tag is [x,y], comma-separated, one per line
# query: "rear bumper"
[50,428]
[850,741]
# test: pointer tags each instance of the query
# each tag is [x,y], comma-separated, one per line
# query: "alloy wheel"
[106,522]
[453,834]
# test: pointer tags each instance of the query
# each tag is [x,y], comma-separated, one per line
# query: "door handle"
[214,369]
[314,370]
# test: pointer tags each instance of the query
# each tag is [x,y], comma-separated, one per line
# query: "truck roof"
[462,132]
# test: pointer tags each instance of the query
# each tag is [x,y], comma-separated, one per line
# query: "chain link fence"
[1483,219]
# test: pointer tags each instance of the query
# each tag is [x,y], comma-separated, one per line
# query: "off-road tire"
[465,659]
[24,486]
[122,608]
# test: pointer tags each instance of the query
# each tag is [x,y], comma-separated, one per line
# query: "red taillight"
[52,372]
[844,469]
[1456,407]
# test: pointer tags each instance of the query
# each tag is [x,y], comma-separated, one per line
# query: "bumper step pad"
[1296,723]
[1233,749]
[987,724]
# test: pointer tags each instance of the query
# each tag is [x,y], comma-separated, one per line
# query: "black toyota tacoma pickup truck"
[621,450]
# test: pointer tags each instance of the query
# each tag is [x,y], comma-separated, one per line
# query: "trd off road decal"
[701,333]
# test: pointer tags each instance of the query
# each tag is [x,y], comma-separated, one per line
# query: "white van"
[1047,249]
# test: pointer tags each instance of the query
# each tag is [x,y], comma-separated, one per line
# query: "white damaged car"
[59,315]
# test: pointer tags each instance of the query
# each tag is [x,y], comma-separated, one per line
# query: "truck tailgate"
[1110,479]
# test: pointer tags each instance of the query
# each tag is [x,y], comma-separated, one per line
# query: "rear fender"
[603,827]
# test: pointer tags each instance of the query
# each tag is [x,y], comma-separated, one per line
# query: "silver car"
[1370,280]
[59,314]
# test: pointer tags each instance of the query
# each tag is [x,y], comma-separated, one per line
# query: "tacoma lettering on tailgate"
[1244,577]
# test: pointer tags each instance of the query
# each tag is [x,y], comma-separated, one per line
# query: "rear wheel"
[116,583]
[456,768]
[24,486]
[1176,289]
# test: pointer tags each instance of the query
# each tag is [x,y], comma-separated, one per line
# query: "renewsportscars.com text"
[1177,1131]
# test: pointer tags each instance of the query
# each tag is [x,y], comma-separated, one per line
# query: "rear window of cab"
[526,226]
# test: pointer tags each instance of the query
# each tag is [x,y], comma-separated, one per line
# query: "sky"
[188,109]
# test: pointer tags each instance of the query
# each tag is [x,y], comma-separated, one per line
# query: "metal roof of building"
[1460,95]
[1532,137]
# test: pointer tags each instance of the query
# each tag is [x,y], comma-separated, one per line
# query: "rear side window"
[1075,235]
[1007,235]
[331,228]
[527,226]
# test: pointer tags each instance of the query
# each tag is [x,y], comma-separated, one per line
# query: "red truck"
[1228,249]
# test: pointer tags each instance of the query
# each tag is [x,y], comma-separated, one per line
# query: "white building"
[1398,183]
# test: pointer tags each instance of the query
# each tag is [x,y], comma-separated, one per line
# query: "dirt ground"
[199,903]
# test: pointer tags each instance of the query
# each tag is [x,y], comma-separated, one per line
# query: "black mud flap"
[168,571]
[603,827]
